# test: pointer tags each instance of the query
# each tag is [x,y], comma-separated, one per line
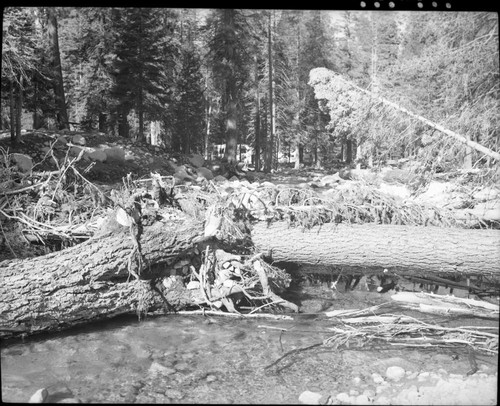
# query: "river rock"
[211,378]
[197,161]
[39,396]
[220,178]
[115,154]
[45,150]
[343,397]
[157,368]
[61,142]
[181,174]
[23,162]
[181,366]
[204,173]
[377,378]
[310,398]
[423,376]
[330,180]
[75,151]
[78,140]
[174,394]
[192,285]
[395,373]
[398,176]
[97,155]
[382,400]
[361,400]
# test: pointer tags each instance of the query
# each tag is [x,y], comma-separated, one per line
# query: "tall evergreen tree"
[229,61]
[139,67]
[19,65]
[190,108]
[55,62]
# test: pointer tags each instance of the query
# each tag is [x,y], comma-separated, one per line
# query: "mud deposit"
[199,359]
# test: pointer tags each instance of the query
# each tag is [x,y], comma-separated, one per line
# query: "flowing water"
[205,359]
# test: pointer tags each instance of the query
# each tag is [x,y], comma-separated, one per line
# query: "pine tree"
[190,107]
[140,66]
[18,62]
[229,60]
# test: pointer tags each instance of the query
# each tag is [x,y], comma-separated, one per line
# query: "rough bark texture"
[88,282]
[407,249]
[60,99]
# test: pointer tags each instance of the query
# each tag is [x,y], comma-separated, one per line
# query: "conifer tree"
[140,66]
[229,62]
[190,108]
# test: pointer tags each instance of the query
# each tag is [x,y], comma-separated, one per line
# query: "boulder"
[78,140]
[343,398]
[115,154]
[220,178]
[362,400]
[23,162]
[395,373]
[157,368]
[171,165]
[39,396]
[74,151]
[197,161]
[61,142]
[181,174]
[310,398]
[398,176]
[331,180]
[377,378]
[204,173]
[97,155]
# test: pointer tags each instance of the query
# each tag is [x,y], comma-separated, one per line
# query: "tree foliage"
[205,76]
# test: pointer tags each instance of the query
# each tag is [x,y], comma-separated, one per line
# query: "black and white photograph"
[209,205]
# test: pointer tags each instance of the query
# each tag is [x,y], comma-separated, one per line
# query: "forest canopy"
[190,79]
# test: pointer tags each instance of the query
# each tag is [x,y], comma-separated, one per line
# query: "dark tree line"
[191,78]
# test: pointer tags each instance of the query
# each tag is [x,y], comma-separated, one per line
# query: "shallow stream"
[212,359]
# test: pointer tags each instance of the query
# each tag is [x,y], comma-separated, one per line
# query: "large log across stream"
[89,281]
[411,250]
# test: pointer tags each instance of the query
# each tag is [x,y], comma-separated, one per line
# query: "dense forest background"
[189,79]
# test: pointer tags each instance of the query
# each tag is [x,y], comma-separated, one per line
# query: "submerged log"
[89,281]
[409,250]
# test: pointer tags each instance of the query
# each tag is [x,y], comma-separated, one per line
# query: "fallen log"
[409,250]
[90,281]
[323,76]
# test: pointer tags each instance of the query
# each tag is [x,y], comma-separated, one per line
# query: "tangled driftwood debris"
[200,246]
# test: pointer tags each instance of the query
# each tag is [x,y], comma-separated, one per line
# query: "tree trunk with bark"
[410,250]
[89,281]
[62,113]
[19,109]
[270,146]
[12,113]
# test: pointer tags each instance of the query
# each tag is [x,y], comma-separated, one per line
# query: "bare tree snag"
[89,281]
[410,250]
